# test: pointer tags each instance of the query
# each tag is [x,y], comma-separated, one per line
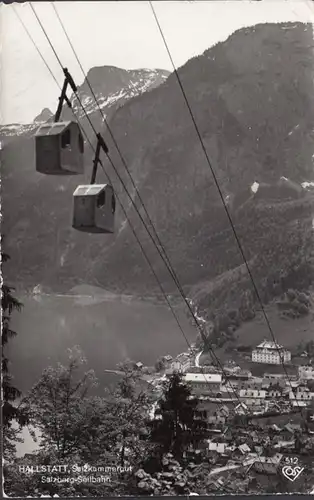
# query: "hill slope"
[252,98]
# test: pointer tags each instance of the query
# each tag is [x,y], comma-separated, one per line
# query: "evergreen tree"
[60,408]
[160,364]
[177,425]
[10,412]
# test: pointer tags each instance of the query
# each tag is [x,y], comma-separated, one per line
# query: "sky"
[122,34]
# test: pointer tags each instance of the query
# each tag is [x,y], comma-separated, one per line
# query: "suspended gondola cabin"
[59,149]
[94,208]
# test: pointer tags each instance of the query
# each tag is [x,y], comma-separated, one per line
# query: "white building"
[202,383]
[218,447]
[181,364]
[306,372]
[301,394]
[252,397]
[270,353]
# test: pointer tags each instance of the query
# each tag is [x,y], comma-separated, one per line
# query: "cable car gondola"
[59,149]
[60,145]
[94,205]
[94,208]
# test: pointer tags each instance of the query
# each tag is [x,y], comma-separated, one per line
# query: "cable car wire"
[221,196]
[217,360]
[48,67]
[42,27]
[121,205]
[104,119]
[213,354]
[107,175]
[35,45]
[166,298]
[134,232]
[168,263]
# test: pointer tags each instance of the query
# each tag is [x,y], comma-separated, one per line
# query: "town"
[253,422]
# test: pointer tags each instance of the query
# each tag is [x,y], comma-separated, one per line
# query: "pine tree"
[10,412]
[177,425]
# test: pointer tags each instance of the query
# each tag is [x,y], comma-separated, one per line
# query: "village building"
[302,394]
[274,378]
[241,409]
[306,372]
[273,406]
[181,364]
[254,382]
[216,419]
[274,392]
[252,397]
[270,353]
[168,358]
[235,379]
[223,411]
[268,465]
[218,447]
[204,384]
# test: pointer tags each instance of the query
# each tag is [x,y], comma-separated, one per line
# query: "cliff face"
[252,99]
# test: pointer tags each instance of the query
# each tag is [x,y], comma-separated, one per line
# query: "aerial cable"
[117,147]
[168,263]
[134,232]
[107,175]
[221,196]
[165,295]
[98,160]
[104,119]
[137,237]
[47,37]
[213,355]
[47,66]
[35,45]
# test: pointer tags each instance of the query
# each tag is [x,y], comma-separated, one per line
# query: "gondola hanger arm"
[100,145]
[68,80]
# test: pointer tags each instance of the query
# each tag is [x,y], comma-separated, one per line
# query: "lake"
[108,328]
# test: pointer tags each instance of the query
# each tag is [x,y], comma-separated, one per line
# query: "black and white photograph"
[157,248]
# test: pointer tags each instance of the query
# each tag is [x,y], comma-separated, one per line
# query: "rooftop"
[52,128]
[89,189]
[269,345]
[202,377]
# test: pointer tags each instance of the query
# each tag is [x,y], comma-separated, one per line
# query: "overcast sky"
[122,34]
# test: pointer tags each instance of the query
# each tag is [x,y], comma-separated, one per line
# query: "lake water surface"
[108,327]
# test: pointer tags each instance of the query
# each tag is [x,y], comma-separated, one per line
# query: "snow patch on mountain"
[306,185]
[129,84]
[140,81]
[16,129]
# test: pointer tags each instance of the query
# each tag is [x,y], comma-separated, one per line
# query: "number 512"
[291,460]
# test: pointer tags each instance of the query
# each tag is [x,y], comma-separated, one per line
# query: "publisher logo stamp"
[292,473]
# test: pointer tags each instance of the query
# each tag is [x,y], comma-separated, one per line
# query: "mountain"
[45,116]
[112,87]
[252,98]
